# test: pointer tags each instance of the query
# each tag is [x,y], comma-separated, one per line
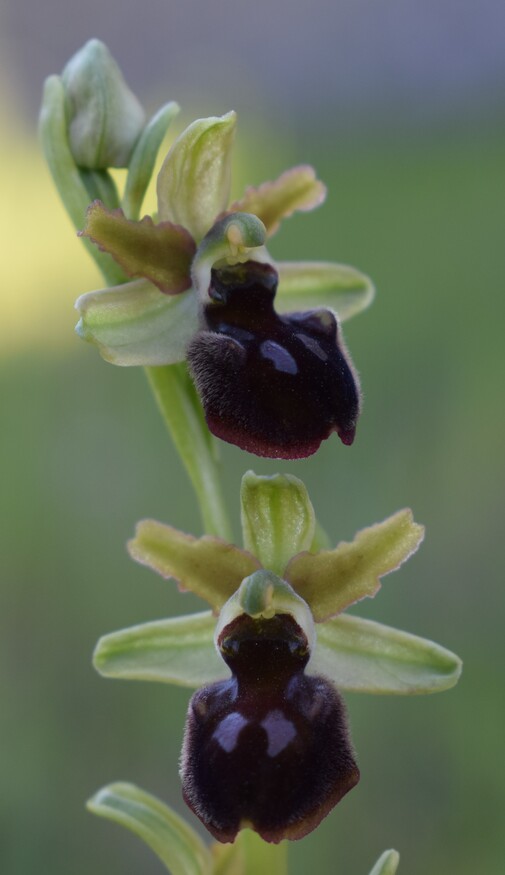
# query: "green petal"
[209,567]
[176,844]
[332,580]
[194,181]
[309,284]
[367,657]
[144,157]
[296,189]
[134,324]
[277,518]
[160,253]
[387,864]
[176,651]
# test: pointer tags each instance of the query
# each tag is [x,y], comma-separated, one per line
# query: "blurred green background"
[84,455]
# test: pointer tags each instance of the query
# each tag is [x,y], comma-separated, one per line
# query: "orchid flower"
[203,288]
[272,655]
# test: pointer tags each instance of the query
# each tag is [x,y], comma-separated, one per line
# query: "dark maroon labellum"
[269,748]
[273,385]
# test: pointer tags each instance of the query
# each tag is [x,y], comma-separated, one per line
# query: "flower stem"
[260,857]
[181,409]
[174,391]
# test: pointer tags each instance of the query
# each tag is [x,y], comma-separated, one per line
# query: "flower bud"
[104,117]
[269,748]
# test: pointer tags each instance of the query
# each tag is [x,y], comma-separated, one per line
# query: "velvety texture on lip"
[273,385]
[268,748]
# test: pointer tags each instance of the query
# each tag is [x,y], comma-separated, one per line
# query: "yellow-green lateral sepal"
[277,518]
[207,566]
[161,253]
[176,844]
[332,580]
[304,285]
[177,651]
[387,864]
[295,189]
[194,181]
[367,657]
[134,324]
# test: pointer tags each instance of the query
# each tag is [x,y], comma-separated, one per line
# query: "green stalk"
[174,391]
[181,409]
[261,858]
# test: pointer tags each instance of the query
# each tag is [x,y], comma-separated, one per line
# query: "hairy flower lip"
[268,748]
[197,230]
[275,385]
[260,447]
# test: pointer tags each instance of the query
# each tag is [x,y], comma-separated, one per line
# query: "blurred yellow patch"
[43,266]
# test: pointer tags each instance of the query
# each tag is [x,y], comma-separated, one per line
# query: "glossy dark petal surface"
[268,748]
[273,385]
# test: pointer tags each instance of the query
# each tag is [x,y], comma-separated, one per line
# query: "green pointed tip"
[387,863]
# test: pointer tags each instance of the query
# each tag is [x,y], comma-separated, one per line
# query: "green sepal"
[143,159]
[278,519]
[331,580]
[207,566]
[174,842]
[296,189]
[104,117]
[194,180]
[177,651]
[264,594]
[234,239]
[367,657]
[161,253]
[309,284]
[135,324]
[387,864]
